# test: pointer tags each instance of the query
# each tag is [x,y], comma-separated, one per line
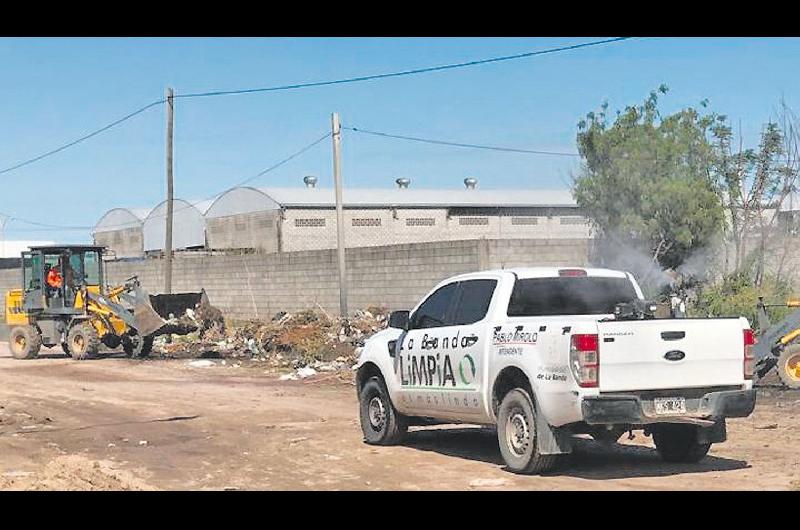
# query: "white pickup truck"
[544,354]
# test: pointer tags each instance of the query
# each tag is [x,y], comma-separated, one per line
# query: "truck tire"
[678,443]
[83,341]
[380,421]
[134,346]
[789,366]
[516,433]
[147,346]
[24,342]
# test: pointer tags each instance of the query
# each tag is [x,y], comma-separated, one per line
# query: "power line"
[9,218]
[459,144]
[282,162]
[400,73]
[82,138]
[241,183]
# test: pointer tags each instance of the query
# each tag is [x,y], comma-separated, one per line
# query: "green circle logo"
[470,370]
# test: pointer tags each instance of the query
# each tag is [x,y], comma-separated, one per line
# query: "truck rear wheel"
[678,443]
[83,341]
[516,433]
[380,421]
[24,342]
[789,366]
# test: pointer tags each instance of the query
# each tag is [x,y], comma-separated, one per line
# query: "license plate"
[673,405]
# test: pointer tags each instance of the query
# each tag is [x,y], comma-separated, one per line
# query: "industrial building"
[272,220]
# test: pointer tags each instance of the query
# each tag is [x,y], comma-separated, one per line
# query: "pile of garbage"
[307,340]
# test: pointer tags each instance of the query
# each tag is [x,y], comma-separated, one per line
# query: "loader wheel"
[83,341]
[678,443]
[134,346]
[516,433]
[380,421]
[25,342]
[789,366]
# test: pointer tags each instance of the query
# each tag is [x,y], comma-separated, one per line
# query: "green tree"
[645,180]
[752,184]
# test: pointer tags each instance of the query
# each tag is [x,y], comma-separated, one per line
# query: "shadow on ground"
[589,459]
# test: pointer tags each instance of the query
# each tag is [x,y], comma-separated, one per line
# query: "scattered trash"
[142,442]
[202,363]
[298,440]
[306,371]
[767,426]
[309,342]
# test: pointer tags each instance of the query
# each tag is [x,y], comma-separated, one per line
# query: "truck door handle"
[673,335]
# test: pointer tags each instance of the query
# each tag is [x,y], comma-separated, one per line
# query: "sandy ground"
[113,423]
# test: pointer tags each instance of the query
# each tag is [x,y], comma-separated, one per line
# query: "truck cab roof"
[543,272]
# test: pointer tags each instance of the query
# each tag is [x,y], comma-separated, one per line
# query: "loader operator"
[54,278]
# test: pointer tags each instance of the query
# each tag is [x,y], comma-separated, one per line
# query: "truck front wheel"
[678,443]
[380,421]
[516,432]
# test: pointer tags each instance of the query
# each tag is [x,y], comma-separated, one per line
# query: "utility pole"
[336,134]
[170,194]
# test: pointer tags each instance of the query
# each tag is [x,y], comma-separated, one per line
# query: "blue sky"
[55,90]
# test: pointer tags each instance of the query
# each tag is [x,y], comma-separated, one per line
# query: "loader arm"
[775,335]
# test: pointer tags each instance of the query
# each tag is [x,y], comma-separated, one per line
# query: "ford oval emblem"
[674,355]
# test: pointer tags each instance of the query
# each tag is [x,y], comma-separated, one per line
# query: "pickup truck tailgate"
[673,353]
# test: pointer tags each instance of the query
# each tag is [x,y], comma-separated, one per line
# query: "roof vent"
[311,181]
[403,182]
[470,183]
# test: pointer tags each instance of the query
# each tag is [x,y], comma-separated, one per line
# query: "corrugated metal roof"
[441,198]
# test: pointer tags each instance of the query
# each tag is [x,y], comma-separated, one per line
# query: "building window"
[524,221]
[574,221]
[420,221]
[309,222]
[473,221]
[366,221]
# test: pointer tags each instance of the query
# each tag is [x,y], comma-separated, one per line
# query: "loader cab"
[77,266]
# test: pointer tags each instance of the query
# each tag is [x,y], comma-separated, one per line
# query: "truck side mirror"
[399,320]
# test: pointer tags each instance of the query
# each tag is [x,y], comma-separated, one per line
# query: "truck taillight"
[584,357]
[749,360]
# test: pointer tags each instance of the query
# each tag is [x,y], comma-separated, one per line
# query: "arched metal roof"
[121,219]
[241,200]
[188,225]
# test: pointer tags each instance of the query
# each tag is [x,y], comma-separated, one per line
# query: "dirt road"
[113,423]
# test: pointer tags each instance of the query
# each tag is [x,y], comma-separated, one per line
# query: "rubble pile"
[310,342]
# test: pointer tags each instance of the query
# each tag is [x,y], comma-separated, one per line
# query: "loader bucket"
[175,305]
[146,320]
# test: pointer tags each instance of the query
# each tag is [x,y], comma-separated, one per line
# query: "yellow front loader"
[63,301]
[778,344]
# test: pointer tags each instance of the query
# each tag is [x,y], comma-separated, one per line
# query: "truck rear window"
[583,295]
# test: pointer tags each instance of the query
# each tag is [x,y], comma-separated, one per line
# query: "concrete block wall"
[311,229]
[393,276]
